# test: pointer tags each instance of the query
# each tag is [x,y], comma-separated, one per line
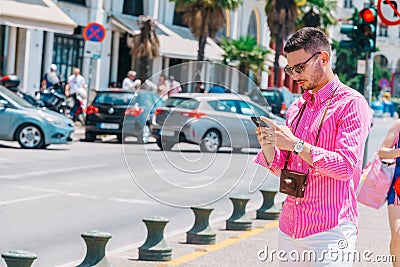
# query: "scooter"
[11,82]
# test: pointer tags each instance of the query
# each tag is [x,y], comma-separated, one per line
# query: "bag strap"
[300,114]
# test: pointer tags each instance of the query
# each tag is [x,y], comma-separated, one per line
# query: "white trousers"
[333,248]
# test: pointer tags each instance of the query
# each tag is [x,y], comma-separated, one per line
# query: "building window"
[254,25]
[383,30]
[178,19]
[68,53]
[78,2]
[348,3]
[133,7]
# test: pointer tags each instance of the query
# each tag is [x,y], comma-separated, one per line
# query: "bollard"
[18,258]
[155,247]
[268,210]
[96,242]
[201,232]
[239,220]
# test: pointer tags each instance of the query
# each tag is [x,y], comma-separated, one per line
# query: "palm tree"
[281,17]
[145,46]
[204,18]
[248,53]
[317,13]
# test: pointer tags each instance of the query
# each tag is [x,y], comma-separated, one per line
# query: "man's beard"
[314,80]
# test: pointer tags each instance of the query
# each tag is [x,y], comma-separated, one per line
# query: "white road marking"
[2,203]
[37,173]
[133,201]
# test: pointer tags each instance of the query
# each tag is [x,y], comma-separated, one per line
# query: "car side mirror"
[3,104]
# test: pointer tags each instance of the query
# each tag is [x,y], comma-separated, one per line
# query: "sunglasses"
[299,68]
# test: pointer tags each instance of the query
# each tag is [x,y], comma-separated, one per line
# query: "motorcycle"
[53,99]
[11,82]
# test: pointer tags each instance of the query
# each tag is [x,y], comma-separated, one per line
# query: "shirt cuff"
[261,160]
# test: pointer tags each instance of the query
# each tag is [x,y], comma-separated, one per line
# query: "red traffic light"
[368,15]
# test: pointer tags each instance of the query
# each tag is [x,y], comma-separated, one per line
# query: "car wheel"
[145,135]
[30,136]
[211,141]
[90,137]
[164,145]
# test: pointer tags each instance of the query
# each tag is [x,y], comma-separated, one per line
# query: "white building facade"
[28,50]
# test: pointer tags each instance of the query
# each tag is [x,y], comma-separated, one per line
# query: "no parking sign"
[94,32]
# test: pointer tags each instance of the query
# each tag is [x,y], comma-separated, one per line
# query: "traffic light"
[366,37]
[351,31]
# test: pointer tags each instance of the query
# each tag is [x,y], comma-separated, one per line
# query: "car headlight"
[56,122]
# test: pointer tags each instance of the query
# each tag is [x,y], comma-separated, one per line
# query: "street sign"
[361,66]
[92,49]
[388,11]
[383,83]
[94,32]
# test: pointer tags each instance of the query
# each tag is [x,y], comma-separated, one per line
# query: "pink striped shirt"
[330,194]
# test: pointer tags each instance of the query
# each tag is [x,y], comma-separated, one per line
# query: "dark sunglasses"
[298,67]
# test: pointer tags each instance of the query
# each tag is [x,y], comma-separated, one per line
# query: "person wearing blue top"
[217,89]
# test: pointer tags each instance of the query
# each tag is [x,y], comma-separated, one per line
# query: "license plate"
[167,133]
[109,126]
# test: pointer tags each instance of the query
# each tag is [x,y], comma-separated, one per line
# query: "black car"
[122,113]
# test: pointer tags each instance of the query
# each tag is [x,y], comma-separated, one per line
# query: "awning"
[35,14]
[173,43]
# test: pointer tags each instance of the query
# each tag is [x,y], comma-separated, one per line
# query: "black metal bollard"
[239,220]
[201,232]
[18,258]
[268,210]
[96,242]
[155,247]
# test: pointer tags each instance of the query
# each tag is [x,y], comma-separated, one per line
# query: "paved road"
[49,197]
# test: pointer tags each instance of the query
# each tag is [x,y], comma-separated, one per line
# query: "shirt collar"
[324,93]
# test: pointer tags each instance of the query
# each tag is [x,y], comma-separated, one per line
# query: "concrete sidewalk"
[241,248]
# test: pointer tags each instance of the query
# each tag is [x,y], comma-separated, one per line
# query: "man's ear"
[325,57]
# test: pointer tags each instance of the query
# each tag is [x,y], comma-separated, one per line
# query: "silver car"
[209,120]
[32,127]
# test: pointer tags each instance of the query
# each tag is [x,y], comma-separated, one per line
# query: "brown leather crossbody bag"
[292,182]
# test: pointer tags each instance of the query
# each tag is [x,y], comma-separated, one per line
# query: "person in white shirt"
[129,83]
[75,82]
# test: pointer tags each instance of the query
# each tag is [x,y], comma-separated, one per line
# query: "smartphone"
[258,122]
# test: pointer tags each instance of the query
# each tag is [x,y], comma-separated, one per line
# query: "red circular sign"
[387,10]
[94,32]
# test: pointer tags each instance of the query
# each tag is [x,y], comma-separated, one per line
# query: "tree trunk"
[143,69]
[202,46]
[243,79]
[278,48]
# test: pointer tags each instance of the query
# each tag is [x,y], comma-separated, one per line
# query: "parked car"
[279,99]
[31,126]
[122,113]
[208,120]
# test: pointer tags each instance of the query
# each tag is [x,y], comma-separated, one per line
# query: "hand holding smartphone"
[258,122]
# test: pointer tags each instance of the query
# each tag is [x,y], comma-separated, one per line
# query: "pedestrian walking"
[318,155]
[389,150]
[130,82]
[163,86]
[51,78]
[75,90]
[175,86]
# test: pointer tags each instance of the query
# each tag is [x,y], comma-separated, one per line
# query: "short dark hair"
[310,39]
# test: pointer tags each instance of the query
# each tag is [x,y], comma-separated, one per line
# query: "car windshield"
[14,97]
[113,98]
[180,102]
[272,96]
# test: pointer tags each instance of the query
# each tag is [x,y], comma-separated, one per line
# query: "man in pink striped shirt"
[328,144]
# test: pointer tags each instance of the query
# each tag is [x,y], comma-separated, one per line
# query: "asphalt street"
[49,197]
